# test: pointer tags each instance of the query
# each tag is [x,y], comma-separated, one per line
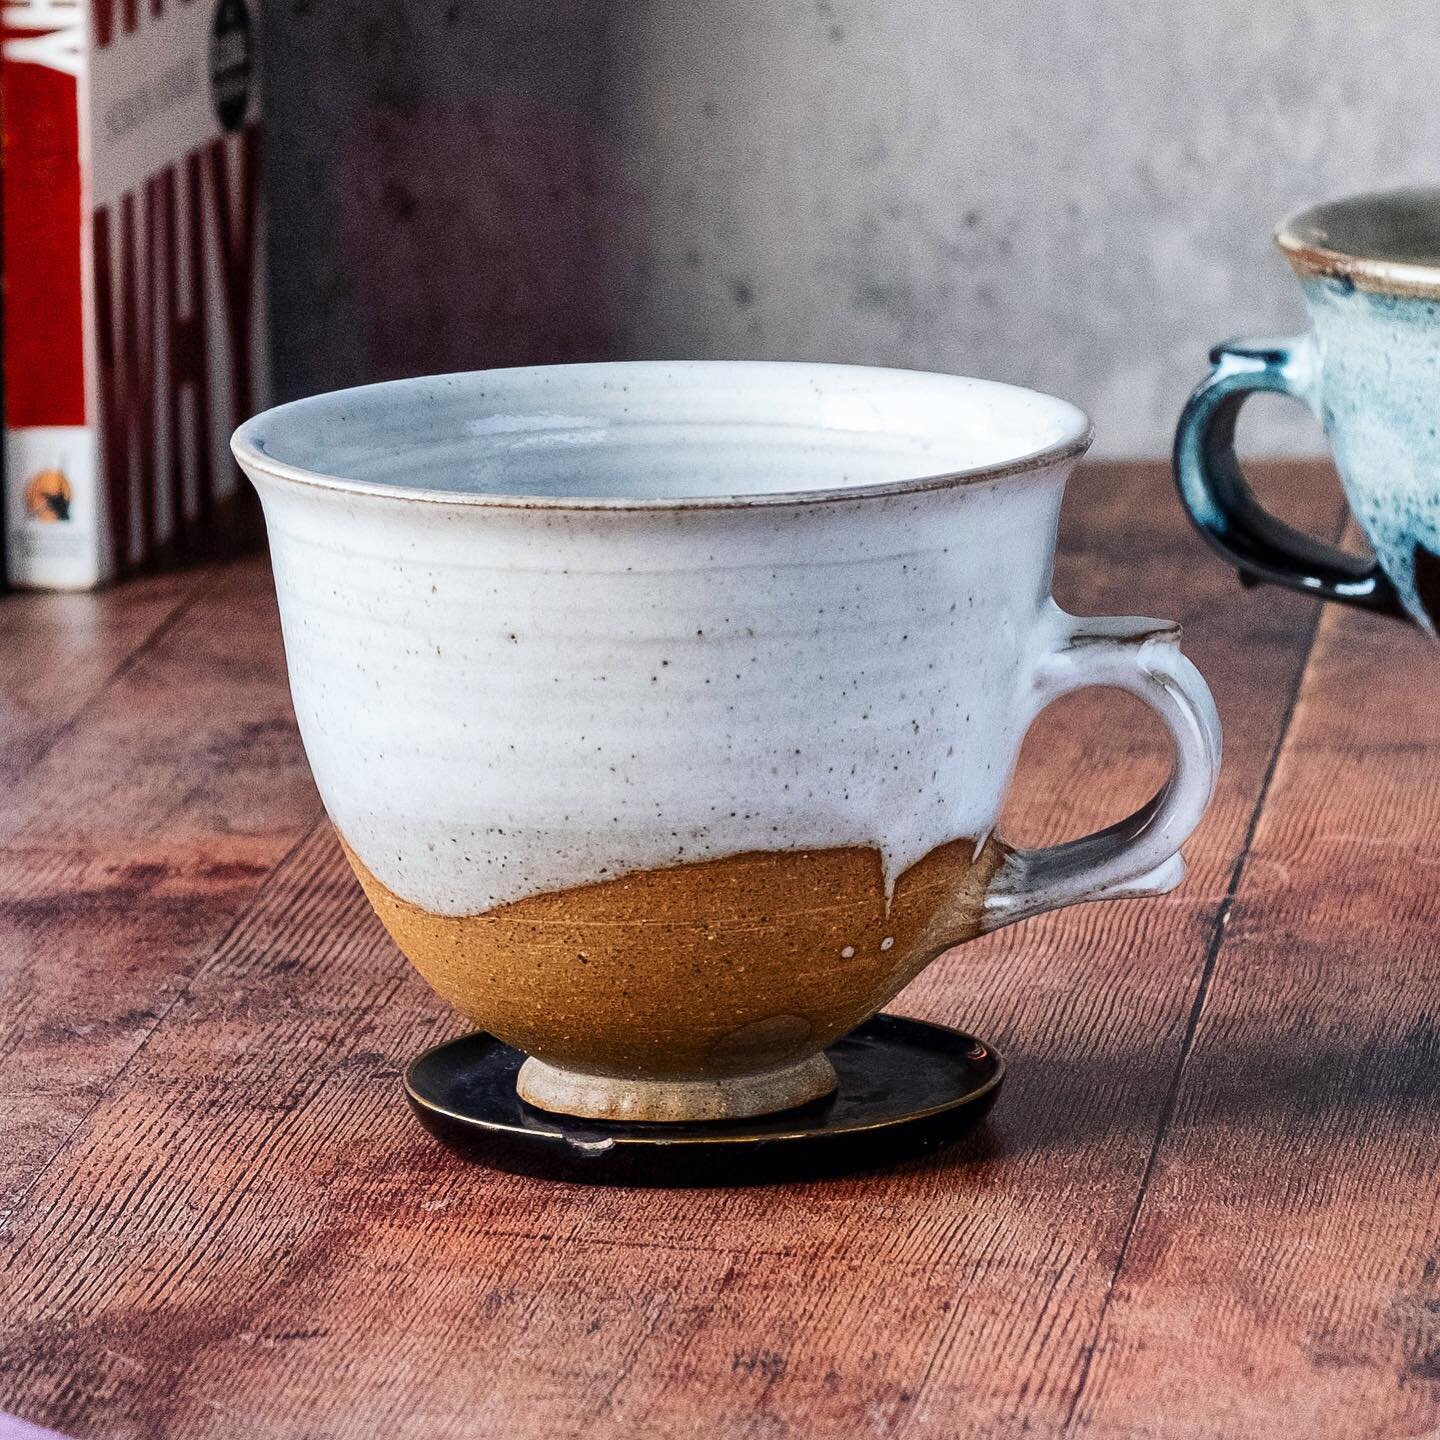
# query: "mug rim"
[247,444]
[1313,251]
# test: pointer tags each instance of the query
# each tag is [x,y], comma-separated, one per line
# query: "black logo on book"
[232,55]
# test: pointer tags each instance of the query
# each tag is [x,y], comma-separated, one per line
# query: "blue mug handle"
[1222,505]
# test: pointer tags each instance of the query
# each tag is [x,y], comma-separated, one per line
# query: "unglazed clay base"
[696,991]
[598,1097]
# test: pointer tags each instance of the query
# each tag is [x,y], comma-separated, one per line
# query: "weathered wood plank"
[1284,1274]
[248,1234]
[128,846]
[57,652]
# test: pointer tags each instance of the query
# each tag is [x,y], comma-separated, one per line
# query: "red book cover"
[132,239]
[49,448]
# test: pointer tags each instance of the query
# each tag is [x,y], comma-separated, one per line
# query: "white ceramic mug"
[665,710]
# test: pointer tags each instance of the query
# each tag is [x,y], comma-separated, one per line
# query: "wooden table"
[1206,1205]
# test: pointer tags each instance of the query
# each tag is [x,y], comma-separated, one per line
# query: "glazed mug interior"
[1369,266]
[665,711]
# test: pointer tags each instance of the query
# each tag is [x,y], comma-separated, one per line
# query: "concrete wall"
[1076,196]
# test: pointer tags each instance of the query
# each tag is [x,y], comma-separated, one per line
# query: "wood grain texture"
[135,835]
[246,1233]
[57,652]
[1284,1272]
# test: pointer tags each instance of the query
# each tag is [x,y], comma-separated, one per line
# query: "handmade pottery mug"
[1370,369]
[665,710]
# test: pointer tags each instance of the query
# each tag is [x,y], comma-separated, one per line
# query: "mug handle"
[1141,854]
[1222,505]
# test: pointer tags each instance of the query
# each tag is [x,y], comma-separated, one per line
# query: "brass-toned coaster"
[906,1087]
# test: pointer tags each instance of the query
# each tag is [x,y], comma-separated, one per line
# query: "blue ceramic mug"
[1370,369]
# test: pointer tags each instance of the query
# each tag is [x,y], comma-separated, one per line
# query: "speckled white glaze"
[1375,363]
[521,662]
[555,633]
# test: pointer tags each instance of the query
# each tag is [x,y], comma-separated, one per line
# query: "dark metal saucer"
[906,1087]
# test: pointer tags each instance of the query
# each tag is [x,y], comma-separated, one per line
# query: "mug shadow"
[1293,1084]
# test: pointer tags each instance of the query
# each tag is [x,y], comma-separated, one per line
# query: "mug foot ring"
[596,1097]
